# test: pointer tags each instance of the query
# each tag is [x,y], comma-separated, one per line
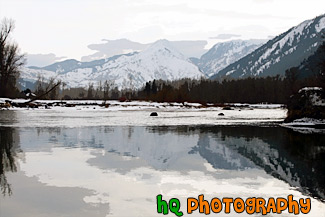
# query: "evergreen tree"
[321,75]
[154,88]
[291,78]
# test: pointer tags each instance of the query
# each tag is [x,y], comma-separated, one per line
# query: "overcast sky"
[66,27]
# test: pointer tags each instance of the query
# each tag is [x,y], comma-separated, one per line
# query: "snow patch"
[321,25]
[310,88]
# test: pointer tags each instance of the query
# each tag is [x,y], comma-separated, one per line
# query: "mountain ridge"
[159,61]
[223,54]
[287,50]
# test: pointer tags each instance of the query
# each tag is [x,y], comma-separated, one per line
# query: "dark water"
[149,155]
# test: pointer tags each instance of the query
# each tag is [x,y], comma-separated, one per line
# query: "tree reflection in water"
[7,157]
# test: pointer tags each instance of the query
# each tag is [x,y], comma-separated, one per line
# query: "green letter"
[175,208]
[161,205]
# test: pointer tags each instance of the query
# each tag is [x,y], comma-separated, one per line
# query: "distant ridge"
[224,53]
[281,53]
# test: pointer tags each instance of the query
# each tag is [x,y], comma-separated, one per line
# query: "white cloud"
[225,36]
[67,27]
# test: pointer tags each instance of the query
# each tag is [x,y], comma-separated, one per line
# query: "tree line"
[275,89]
[249,90]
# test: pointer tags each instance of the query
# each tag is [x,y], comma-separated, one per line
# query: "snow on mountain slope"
[225,53]
[281,53]
[160,61]
[31,74]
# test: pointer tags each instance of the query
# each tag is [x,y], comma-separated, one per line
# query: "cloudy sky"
[65,28]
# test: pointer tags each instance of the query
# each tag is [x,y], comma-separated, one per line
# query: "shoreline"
[21,103]
[169,114]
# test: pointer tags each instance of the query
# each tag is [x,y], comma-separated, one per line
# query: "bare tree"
[10,60]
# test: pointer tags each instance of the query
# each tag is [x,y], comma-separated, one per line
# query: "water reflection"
[9,141]
[147,154]
[295,158]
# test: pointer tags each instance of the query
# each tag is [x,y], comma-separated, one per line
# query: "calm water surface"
[119,170]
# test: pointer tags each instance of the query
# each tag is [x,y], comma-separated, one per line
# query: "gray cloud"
[121,46]
[41,60]
[113,47]
[225,36]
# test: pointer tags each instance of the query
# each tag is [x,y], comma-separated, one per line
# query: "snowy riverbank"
[137,113]
[128,105]
[306,125]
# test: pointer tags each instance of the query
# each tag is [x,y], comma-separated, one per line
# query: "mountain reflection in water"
[168,159]
[295,158]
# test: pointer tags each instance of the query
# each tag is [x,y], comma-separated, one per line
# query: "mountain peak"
[162,44]
[163,47]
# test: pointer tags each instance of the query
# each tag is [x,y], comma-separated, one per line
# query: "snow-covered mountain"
[159,61]
[224,53]
[281,53]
